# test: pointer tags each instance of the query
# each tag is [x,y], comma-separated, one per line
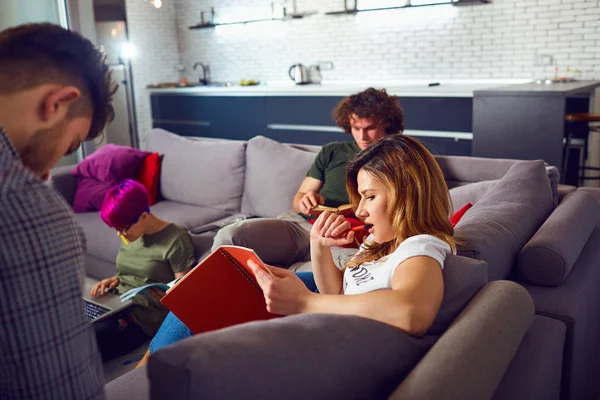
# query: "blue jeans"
[173,330]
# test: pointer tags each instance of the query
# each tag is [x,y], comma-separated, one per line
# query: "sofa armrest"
[549,256]
[134,385]
[470,359]
[64,183]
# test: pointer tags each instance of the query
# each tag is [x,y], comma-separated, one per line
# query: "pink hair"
[124,204]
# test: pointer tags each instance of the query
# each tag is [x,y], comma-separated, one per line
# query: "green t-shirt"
[152,259]
[330,168]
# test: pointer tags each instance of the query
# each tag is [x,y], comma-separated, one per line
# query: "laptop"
[99,308]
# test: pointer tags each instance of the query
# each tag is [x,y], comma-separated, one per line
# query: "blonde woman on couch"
[397,187]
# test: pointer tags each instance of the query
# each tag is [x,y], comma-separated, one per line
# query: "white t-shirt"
[377,275]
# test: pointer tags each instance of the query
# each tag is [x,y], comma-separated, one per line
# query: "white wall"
[490,41]
[499,40]
[152,34]
[15,12]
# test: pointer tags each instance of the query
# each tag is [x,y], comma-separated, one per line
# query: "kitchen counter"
[536,89]
[407,88]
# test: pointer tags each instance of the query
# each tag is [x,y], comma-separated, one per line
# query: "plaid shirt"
[47,346]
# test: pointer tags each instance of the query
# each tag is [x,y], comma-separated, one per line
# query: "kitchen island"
[439,113]
[526,121]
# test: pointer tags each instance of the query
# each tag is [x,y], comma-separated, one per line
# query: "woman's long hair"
[418,197]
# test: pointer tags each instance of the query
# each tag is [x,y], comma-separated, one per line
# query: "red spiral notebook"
[219,292]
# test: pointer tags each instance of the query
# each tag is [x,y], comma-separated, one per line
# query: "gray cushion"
[185,215]
[463,277]
[500,224]
[459,170]
[548,257]
[469,193]
[308,356]
[274,172]
[102,241]
[463,193]
[201,173]
[131,386]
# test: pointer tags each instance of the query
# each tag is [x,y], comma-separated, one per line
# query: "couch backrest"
[274,172]
[201,173]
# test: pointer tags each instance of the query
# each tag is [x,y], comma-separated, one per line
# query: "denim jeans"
[173,330]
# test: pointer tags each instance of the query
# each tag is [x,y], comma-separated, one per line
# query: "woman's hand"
[104,285]
[331,229]
[285,293]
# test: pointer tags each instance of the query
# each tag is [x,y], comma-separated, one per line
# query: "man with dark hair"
[367,116]
[55,93]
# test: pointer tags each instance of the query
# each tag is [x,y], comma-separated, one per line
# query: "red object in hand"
[361,227]
[458,215]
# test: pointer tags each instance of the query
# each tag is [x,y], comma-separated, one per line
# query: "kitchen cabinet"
[442,124]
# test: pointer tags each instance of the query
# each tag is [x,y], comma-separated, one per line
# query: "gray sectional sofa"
[519,318]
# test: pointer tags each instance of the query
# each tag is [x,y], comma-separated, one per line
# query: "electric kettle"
[299,74]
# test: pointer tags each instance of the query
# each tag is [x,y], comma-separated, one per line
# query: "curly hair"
[36,54]
[373,104]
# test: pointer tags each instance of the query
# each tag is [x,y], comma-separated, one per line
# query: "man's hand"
[309,201]
[331,229]
[104,285]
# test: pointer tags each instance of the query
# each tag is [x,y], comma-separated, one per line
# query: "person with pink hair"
[153,251]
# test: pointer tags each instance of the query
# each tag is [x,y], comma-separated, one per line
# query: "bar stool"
[572,122]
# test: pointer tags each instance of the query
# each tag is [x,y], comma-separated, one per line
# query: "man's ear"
[54,106]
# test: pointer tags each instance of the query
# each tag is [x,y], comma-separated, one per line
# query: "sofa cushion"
[274,172]
[462,192]
[149,175]
[549,256]
[131,386]
[90,194]
[307,356]
[506,217]
[463,277]
[185,215]
[112,163]
[102,241]
[469,193]
[201,173]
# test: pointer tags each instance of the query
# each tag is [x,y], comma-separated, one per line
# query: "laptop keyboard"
[93,311]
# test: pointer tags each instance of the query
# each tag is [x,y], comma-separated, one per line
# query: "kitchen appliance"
[299,74]
[314,74]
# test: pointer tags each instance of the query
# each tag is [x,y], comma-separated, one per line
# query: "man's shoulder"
[338,147]
[34,202]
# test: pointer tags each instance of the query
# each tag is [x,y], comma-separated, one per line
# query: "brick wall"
[492,41]
[498,40]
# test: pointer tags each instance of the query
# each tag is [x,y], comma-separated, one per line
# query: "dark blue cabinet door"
[453,114]
[446,146]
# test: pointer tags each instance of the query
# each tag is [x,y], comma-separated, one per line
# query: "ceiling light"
[155,3]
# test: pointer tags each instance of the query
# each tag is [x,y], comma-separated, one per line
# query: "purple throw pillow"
[112,164]
[90,195]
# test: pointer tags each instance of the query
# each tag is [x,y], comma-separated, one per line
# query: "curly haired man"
[367,116]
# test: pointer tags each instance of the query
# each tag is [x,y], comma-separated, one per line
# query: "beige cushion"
[200,173]
[274,172]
